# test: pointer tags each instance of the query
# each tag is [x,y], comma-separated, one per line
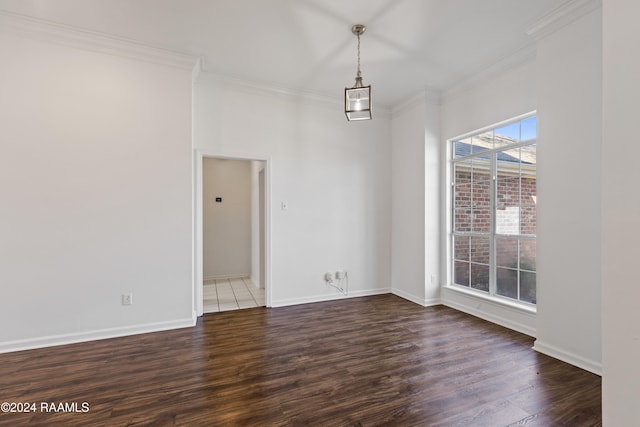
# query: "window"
[493,210]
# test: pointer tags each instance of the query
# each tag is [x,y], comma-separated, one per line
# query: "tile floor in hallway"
[231,294]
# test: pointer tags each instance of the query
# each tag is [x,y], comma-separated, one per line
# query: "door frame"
[198,238]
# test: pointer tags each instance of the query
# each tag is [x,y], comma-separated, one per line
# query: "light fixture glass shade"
[357,103]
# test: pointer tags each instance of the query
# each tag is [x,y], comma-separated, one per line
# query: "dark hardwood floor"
[368,361]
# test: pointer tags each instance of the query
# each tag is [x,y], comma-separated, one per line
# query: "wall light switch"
[284,206]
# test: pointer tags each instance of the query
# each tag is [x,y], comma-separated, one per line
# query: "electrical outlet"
[127,299]
[328,277]
[341,274]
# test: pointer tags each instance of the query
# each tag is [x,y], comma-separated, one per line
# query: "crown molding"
[428,96]
[526,54]
[274,90]
[562,16]
[198,67]
[207,77]
[93,41]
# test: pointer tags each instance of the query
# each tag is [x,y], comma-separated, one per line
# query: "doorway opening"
[231,233]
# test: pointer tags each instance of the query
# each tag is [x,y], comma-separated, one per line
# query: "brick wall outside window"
[515,215]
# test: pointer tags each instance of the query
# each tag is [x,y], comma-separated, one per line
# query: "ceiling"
[409,45]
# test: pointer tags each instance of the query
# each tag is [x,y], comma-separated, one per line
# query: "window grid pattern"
[494,211]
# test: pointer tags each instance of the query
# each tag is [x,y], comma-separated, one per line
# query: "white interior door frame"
[199,155]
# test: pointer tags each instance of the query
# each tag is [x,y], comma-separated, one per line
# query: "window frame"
[492,234]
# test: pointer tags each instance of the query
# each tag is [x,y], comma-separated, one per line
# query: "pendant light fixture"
[357,99]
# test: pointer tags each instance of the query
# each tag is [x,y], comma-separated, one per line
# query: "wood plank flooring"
[367,361]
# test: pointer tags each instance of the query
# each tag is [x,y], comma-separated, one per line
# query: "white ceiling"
[409,45]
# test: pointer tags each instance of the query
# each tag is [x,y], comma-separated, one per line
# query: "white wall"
[620,214]
[333,175]
[226,231]
[416,201]
[569,82]
[491,99]
[95,181]
[563,85]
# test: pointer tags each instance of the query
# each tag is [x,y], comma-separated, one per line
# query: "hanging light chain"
[357,30]
[359,73]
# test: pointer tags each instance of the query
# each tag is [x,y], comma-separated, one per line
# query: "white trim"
[528,308]
[73,338]
[491,127]
[328,297]
[255,281]
[198,269]
[562,16]
[525,54]
[429,96]
[450,233]
[93,41]
[273,89]
[413,298]
[510,316]
[198,67]
[569,357]
[266,88]
[198,282]
[227,276]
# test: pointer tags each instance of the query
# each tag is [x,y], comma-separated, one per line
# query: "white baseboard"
[255,281]
[330,297]
[63,339]
[503,315]
[226,276]
[327,297]
[410,297]
[566,356]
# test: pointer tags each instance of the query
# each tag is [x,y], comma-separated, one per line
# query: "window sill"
[505,302]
